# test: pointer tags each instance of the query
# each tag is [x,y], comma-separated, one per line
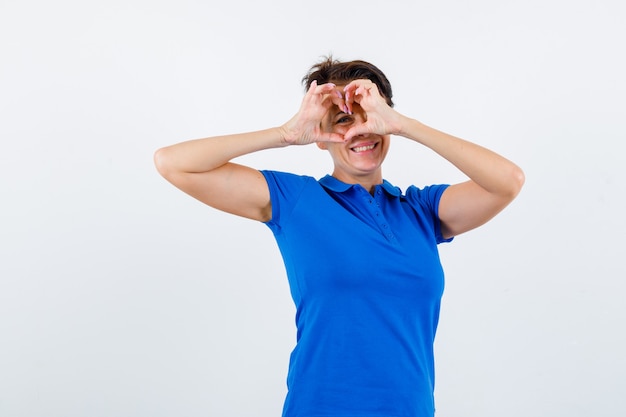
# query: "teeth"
[363,148]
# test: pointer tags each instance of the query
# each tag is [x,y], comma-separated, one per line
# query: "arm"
[493,183]
[202,167]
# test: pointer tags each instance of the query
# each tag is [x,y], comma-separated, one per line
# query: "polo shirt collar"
[331,183]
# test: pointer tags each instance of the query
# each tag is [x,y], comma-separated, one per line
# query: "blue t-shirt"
[365,276]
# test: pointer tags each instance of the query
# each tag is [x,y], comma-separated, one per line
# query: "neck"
[369,181]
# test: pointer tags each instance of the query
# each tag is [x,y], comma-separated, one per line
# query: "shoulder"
[287,190]
[278,180]
[426,192]
[426,197]
[285,176]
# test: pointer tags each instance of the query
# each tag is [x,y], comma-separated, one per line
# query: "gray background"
[121,296]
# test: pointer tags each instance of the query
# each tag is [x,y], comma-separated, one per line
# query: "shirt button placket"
[380,218]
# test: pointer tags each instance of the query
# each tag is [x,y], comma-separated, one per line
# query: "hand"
[305,126]
[381,118]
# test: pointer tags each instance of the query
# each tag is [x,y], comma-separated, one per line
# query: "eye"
[343,119]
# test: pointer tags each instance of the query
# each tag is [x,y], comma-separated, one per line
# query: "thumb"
[361,129]
[331,137]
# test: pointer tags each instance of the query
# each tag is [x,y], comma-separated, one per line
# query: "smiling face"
[360,159]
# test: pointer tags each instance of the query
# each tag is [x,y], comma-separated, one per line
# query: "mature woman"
[361,255]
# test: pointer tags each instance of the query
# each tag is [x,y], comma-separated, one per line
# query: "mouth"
[364,148]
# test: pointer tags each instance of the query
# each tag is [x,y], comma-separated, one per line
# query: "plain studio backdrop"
[122,296]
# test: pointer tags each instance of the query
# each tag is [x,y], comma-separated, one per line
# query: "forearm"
[203,155]
[491,171]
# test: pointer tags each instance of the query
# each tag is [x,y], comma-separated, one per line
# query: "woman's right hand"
[305,127]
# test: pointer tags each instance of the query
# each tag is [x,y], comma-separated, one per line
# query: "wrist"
[405,126]
[285,137]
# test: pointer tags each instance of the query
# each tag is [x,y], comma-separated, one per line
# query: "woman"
[361,255]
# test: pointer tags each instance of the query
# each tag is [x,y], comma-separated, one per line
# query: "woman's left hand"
[381,118]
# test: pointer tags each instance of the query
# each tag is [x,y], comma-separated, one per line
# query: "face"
[360,159]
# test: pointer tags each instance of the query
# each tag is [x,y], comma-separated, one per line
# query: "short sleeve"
[284,191]
[427,200]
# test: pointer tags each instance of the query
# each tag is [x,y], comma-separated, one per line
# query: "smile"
[364,148]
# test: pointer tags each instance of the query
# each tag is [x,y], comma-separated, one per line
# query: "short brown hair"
[333,71]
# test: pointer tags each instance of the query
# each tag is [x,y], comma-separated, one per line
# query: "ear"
[322,145]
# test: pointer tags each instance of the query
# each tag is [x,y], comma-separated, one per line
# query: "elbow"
[516,181]
[162,161]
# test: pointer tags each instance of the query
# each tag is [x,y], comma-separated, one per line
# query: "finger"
[315,100]
[359,87]
[366,89]
[338,101]
[327,89]
[349,99]
[363,91]
[312,87]
[356,131]
[331,137]
[353,92]
[310,94]
[319,90]
[333,97]
[321,93]
[353,85]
